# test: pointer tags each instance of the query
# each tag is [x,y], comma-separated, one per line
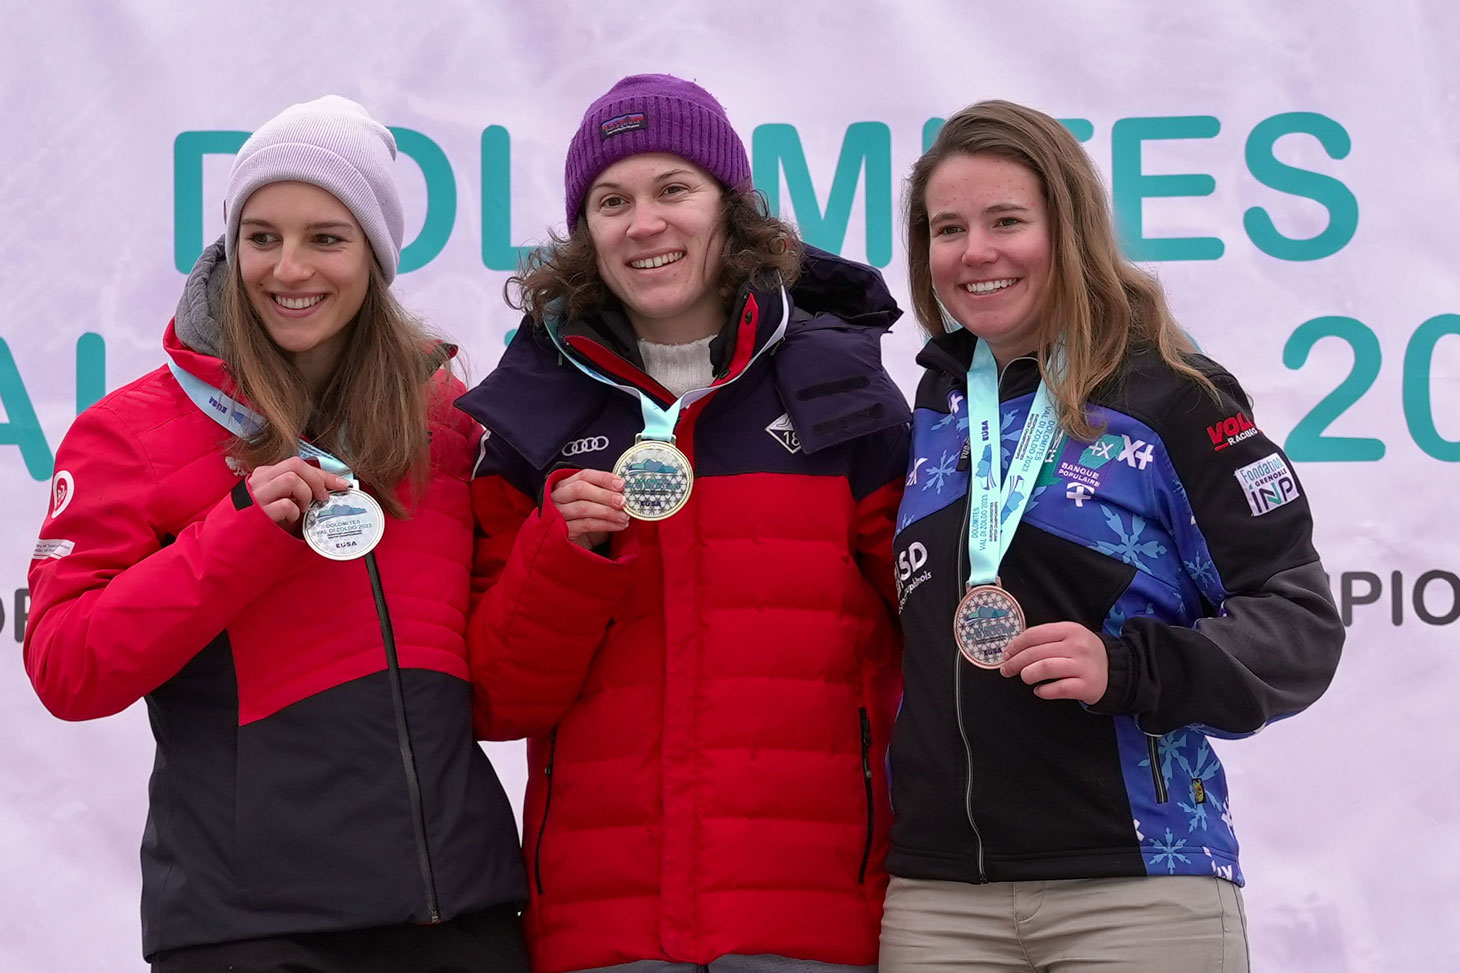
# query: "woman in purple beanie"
[687,489]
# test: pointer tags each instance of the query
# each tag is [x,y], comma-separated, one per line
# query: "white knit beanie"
[332,143]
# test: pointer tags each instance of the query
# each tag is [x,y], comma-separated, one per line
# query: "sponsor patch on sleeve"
[1268,484]
[45,548]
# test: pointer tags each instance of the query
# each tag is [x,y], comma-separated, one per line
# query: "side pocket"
[547,804]
[1157,779]
[867,783]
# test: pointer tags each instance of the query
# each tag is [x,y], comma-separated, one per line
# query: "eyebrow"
[670,174]
[321,225]
[987,211]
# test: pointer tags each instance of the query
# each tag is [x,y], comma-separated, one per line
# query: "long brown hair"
[1099,304]
[373,411]
[564,272]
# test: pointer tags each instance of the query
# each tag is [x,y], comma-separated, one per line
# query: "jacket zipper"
[403,738]
[958,702]
[1157,778]
[546,804]
[867,783]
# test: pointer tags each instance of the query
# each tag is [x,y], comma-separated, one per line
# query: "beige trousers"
[1163,924]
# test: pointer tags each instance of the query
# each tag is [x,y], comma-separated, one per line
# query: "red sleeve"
[545,606]
[114,613]
[876,521]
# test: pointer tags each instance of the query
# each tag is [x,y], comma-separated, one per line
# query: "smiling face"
[305,266]
[989,249]
[656,224]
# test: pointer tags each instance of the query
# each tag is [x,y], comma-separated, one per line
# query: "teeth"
[989,286]
[297,303]
[652,262]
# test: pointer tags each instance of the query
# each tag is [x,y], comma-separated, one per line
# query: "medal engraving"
[657,479]
[346,526]
[985,623]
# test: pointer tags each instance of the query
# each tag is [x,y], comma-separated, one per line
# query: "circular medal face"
[346,526]
[657,479]
[985,623]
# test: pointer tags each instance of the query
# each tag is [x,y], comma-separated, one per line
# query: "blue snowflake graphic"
[1202,571]
[1009,436]
[1197,815]
[1034,497]
[1168,851]
[1118,618]
[936,475]
[1130,549]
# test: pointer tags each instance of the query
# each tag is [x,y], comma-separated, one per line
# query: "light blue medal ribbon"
[346,526]
[658,477]
[997,500]
[244,422]
[659,423]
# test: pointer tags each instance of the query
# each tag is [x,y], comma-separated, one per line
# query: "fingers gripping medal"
[657,479]
[988,617]
[345,526]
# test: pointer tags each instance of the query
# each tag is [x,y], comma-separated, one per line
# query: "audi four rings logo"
[591,444]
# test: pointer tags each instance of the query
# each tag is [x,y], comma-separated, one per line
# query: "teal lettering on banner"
[21,427]
[1418,405]
[1306,443]
[867,147]
[498,251]
[440,198]
[1334,196]
[1130,187]
[188,150]
[1080,128]
[90,370]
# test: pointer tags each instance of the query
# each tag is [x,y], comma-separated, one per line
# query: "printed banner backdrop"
[1289,171]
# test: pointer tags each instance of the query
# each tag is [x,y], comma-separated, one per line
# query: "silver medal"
[346,526]
[985,623]
[657,479]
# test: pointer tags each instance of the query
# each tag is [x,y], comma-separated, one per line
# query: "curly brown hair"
[564,273]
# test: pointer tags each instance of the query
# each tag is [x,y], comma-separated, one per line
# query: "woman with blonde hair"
[270,540]
[1116,565]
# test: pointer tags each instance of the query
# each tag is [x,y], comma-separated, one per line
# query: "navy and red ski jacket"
[710,702]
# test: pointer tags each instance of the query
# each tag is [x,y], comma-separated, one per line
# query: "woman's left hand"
[1062,660]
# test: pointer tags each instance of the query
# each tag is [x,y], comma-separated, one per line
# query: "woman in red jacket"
[270,541]
[694,624]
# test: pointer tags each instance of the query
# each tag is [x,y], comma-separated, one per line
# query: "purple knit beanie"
[653,113]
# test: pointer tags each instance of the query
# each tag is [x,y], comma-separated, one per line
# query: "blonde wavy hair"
[1099,305]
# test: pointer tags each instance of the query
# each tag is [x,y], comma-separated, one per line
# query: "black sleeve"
[1270,642]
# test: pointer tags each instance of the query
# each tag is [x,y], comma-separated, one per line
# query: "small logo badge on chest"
[783,432]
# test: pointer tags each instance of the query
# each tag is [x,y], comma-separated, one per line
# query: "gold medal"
[657,479]
[985,623]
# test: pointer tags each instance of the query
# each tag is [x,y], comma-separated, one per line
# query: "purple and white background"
[1291,172]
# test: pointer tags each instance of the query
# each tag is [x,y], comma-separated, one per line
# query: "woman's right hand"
[285,490]
[591,503]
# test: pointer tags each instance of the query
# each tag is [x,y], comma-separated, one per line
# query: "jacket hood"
[196,322]
[852,292]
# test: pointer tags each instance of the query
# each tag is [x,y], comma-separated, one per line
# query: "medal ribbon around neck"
[347,525]
[658,477]
[989,617]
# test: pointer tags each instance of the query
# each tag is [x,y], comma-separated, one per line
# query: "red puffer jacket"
[306,780]
[709,705]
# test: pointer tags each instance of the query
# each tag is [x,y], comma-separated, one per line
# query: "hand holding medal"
[1061,660]
[591,503]
[286,490]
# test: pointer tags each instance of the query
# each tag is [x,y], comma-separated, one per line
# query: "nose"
[292,264]
[646,221]
[979,249]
